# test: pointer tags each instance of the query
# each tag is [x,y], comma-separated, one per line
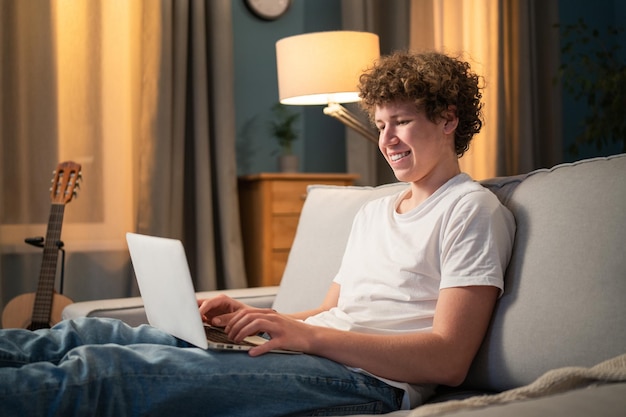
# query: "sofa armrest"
[131,311]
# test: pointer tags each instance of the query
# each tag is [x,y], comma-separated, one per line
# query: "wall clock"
[268,9]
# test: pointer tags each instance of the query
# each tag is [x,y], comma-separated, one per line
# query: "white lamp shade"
[323,67]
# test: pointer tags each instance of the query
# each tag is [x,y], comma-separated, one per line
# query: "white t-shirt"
[395,264]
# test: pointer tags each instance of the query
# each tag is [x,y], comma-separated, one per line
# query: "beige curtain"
[465,29]
[186,158]
[29,138]
[533,127]
[513,45]
[141,94]
[3,23]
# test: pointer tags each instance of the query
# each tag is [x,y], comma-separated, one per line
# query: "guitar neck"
[45,289]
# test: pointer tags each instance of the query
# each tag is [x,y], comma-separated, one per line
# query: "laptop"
[169,298]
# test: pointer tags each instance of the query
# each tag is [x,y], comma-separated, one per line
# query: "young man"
[407,309]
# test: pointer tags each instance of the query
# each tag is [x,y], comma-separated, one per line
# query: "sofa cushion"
[563,303]
[320,241]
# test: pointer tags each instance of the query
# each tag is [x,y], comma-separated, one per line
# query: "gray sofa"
[564,304]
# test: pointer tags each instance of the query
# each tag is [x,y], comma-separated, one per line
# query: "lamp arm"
[342,114]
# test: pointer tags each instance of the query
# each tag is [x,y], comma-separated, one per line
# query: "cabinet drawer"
[279,261]
[288,196]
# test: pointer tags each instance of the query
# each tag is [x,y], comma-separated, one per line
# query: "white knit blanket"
[552,382]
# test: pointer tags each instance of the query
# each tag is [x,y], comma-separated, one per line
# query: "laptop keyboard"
[218,336]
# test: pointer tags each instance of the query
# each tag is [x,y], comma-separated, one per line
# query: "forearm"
[441,356]
[303,315]
[418,358]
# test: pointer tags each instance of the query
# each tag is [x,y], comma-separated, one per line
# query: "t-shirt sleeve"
[477,242]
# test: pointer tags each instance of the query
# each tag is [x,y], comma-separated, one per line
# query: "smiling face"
[418,150]
[435,82]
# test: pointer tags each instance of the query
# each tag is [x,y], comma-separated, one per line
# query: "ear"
[451,120]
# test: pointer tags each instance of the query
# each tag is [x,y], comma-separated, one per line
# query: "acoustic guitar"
[43,309]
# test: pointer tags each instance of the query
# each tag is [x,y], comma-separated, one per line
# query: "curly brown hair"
[434,82]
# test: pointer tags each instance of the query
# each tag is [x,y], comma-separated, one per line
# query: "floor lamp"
[323,68]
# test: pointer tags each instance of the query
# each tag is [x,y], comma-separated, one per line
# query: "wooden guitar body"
[18,313]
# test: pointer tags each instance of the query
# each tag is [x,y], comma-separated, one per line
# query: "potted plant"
[283,129]
[595,72]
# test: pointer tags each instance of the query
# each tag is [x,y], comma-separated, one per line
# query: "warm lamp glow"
[324,67]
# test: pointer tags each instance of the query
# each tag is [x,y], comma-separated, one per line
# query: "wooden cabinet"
[270,205]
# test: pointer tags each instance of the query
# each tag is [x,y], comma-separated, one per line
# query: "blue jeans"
[104,367]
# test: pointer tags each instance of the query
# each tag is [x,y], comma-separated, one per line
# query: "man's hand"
[217,311]
[240,321]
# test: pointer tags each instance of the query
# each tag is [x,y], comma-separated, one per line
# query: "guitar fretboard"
[45,289]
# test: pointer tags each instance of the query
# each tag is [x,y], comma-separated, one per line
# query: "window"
[71,95]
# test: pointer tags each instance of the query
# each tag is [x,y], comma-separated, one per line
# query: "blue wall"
[321,143]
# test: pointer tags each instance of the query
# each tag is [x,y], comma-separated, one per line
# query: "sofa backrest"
[564,302]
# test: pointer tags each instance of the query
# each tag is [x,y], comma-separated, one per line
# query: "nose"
[387,136]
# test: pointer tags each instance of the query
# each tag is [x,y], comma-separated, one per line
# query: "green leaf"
[596,75]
